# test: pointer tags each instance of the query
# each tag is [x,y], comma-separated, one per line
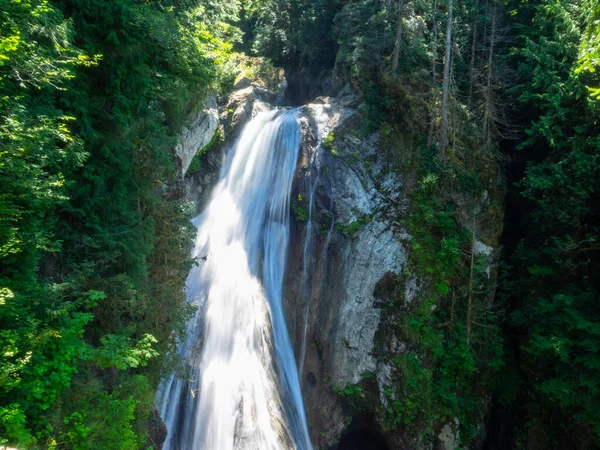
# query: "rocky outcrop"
[157,430]
[350,289]
[336,275]
[198,132]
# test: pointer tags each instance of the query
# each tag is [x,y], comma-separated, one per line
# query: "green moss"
[196,163]
[352,228]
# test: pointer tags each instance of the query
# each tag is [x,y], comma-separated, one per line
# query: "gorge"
[298,224]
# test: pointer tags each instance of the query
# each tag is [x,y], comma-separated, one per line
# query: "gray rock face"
[332,274]
[449,436]
[240,106]
[198,132]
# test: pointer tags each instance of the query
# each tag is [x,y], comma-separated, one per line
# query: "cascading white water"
[242,391]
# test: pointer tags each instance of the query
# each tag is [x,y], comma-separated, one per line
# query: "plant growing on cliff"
[196,162]
[300,211]
[328,141]
[353,227]
[352,393]
[450,363]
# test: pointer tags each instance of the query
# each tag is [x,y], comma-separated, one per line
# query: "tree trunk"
[433,74]
[471,274]
[472,64]
[488,111]
[398,43]
[452,306]
[446,84]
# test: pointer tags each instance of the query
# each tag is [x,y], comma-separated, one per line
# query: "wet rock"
[240,106]
[157,430]
[331,289]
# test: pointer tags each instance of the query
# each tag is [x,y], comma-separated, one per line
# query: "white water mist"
[242,390]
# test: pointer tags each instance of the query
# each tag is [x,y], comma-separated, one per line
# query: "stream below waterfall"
[242,390]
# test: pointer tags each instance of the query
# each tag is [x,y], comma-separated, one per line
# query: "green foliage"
[353,227]
[550,284]
[37,151]
[354,394]
[448,372]
[114,415]
[416,403]
[93,232]
[300,211]
[97,420]
[295,33]
[117,351]
[364,35]
[589,54]
[328,141]
[437,234]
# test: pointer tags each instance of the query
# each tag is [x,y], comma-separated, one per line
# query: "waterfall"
[309,248]
[242,389]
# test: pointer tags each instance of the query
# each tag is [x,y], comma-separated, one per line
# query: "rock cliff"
[349,280]
[346,240]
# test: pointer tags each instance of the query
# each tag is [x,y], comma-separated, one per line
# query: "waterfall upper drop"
[242,390]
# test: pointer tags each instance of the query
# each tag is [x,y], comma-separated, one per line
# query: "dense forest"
[94,231]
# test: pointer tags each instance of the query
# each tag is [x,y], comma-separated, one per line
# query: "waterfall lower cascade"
[242,390]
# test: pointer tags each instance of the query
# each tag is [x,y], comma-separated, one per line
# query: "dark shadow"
[363,434]
[305,85]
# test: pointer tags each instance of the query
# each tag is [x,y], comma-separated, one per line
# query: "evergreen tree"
[93,237]
[553,283]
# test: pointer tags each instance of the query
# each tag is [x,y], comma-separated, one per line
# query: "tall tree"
[446,84]
[553,285]
[489,106]
[398,41]
[472,60]
[433,108]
